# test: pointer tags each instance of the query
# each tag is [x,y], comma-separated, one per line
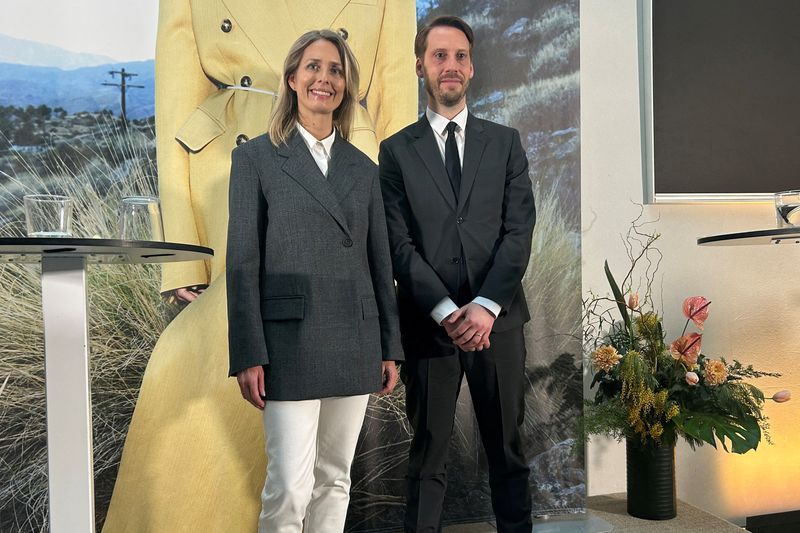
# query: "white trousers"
[310,447]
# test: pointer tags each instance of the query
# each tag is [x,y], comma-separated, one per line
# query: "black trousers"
[496,383]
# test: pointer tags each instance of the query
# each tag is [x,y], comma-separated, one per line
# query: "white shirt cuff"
[443,309]
[490,306]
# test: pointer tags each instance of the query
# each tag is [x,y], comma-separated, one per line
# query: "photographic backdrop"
[60,131]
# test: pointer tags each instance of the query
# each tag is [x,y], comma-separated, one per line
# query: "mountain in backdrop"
[34,74]
[79,89]
[24,52]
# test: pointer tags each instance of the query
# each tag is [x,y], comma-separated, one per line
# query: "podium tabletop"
[761,236]
[98,251]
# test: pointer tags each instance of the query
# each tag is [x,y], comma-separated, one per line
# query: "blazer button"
[241,139]
[343,33]
[455,260]
[226,26]
[246,81]
[459,220]
[347,243]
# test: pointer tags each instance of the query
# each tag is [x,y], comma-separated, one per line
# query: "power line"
[123,89]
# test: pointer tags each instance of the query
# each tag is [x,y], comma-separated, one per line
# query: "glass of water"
[140,219]
[48,215]
[787,208]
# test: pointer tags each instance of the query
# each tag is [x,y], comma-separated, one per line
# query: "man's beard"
[449,98]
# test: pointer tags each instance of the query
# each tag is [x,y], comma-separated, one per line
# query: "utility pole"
[123,88]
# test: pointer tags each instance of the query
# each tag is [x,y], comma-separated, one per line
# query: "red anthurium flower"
[686,348]
[695,308]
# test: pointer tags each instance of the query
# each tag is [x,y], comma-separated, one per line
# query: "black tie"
[451,161]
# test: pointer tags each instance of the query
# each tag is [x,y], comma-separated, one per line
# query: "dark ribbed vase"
[651,481]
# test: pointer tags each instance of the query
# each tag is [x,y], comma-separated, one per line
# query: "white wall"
[755,290]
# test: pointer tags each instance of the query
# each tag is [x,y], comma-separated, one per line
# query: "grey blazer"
[309,276]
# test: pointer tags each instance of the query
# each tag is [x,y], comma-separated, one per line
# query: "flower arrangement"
[653,390]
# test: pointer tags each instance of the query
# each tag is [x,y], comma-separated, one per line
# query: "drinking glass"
[140,219]
[48,215]
[787,208]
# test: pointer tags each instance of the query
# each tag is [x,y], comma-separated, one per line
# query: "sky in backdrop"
[124,30]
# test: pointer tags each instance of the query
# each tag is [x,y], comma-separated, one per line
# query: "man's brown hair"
[420,42]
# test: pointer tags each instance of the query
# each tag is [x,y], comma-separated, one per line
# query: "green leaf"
[623,309]
[743,433]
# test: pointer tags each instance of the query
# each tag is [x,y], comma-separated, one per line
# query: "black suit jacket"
[491,223]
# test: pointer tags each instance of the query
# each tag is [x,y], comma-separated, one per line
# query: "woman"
[188,464]
[311,305]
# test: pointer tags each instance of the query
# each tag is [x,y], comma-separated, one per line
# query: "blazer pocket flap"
[369,308]
[199,130]
[283,308]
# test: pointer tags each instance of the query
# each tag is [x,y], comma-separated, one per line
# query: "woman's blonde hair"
[285,112]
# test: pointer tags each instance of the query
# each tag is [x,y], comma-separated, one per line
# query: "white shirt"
[320,150]
[439,126]
[438,123]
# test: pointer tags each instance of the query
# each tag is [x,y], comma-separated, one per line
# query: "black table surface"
[761,236]
[32,249]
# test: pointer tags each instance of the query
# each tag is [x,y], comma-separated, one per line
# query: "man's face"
[446,66]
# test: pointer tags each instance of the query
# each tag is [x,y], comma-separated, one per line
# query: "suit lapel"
[302,168]
[428,151]
[474,144]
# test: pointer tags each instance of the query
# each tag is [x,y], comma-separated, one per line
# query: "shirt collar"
[439,123]
[310,140]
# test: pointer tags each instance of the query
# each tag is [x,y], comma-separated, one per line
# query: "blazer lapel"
[302,168]
[313,14]
[272,28]
[268,25]
[474,144]
[428,151]
[342,168]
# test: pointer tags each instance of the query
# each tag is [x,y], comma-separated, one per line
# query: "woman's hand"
[251,383]
[389,377]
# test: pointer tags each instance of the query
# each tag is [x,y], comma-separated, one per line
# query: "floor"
[609,513]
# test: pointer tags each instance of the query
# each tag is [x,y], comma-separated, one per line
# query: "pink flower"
[782,396]
[686,348]
[692,378]
[633,301]
[695,308]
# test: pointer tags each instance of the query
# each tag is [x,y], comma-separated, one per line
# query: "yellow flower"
[716,373]
[672,411]
[605,357]
[656,430]
[646,322]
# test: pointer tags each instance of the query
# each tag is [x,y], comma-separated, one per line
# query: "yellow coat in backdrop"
[194,455]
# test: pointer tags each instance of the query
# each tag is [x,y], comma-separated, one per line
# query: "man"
[460,213]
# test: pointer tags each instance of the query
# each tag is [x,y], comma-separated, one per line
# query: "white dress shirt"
[320,150]
[438,123]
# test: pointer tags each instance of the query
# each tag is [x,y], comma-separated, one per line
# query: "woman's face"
[319,80]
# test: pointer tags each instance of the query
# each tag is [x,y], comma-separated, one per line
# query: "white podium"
[66,345]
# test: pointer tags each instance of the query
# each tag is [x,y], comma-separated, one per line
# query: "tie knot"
[451,127]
